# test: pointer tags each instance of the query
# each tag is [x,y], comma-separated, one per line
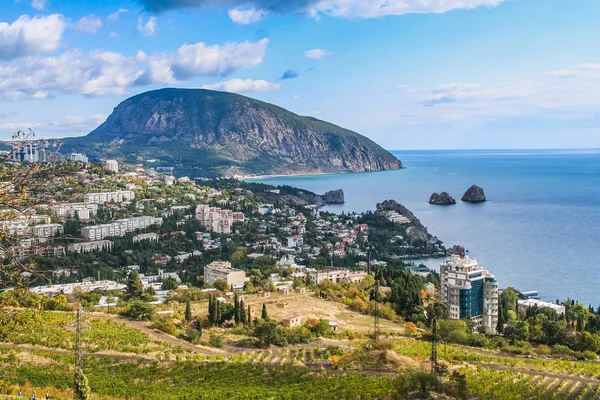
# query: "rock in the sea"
[443,199]
[474,195]
[457,249]
[334,197]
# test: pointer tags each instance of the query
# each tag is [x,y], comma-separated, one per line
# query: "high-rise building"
[217,220]
[469,291]
[29,151]
[111,165]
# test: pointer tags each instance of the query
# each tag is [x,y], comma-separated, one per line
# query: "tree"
[138,310]
[221,285]
[516,330]
[501,319]
[269,332]
[212,310]
[135,288]
[236,309]
[249,316]
[242,312]
[264,314]
[169,284]
[188,311]
[82,387]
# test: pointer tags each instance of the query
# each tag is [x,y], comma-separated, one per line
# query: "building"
[111,165]
[393,216]
[31,151]
[292,321]
[86,247]
[179,258]
[217,220]
[146,236]
[83,211]
[78,157]
[295,241]
[87,285]
[469,291]
[222,270]
[118,228]
[531,303]
[335,275]
[46,230]
[109,197]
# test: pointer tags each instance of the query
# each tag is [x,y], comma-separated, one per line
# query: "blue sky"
[410,74]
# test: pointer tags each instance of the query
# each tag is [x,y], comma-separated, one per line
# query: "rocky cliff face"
[474,194]
[228,134]
[441,199]
[416,230]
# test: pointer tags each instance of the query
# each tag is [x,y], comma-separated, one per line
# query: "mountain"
[209,133]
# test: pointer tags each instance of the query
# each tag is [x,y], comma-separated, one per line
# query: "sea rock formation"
[333,197]
[443,199]
[209,133]
[474,194]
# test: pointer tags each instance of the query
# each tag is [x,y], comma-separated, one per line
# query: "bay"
[539,229]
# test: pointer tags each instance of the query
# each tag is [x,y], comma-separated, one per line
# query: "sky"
[409,74]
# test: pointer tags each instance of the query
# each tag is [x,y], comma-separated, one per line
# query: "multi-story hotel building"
[217,220]
[469,291]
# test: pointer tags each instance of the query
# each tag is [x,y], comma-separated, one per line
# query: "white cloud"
[316,53]
[243,86]
[113,34]
[380,8]
[201,60]
[243,16]
[70,125]
[296,97]
[89,24]
[115,16]
[101,73]
[149,28]
[29,36]
[38,4]
[571,93]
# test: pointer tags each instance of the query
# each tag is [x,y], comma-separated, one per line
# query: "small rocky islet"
[442,199]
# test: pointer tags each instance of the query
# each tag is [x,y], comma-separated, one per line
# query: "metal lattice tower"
[434,356]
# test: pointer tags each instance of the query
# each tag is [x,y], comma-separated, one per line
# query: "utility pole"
[376,298]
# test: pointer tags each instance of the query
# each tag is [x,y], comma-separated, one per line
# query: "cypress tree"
[580,323]
[242,313]
[188,311]
[135,288]
[249,317]
[211,309]
[264,314]
[501,320]
[236,309]
[219,313]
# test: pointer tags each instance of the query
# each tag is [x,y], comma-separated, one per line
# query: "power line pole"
[376,298]
[79,346]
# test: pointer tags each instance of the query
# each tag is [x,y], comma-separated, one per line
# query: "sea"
[539,229]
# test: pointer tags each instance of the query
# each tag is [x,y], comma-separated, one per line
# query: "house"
[295,241]
[292,321]
[284,290]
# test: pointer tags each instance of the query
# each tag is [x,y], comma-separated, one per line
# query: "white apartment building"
[295,241]
[108,197]
[78,157]
[530,303]
[46,230]
[146,236]
[222,270]
[335,275]
[111,165]
[469,291]
[84,211]
[86,247]
[118,228]
[217,220]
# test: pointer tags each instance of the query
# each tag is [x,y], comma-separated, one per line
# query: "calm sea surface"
[540,229]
